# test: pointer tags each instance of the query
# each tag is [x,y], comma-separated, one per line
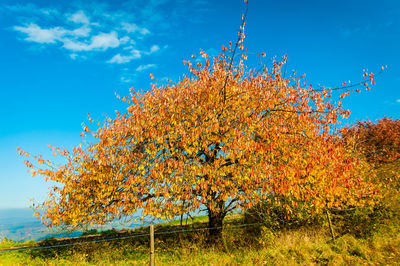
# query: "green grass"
[200,219]
[241,246]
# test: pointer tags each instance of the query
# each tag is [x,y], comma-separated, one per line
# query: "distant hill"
[20,225]
[15,215]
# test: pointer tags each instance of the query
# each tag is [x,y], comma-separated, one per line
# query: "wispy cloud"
[392,102]
[79,17]
[83,31]
[132,28]
[127,79]
[70,38]
[133,54]
[34,33]
[154,48]
[29,8]
[129,76]
[102,41]
[144,67]
[368,30]
[122,59]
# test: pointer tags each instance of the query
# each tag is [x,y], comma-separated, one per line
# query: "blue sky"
[64,59]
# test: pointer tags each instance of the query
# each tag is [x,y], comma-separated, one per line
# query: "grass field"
[240,246]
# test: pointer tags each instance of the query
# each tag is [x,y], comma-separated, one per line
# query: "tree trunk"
[215,222]
[330,225]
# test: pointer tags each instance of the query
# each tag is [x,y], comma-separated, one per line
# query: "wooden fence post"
[151,245]
[330,225]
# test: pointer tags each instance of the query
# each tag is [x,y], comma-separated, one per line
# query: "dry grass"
[304,246]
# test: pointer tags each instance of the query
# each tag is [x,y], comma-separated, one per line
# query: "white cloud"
[104,41]
[154,48]
[132,28]
[398,101]
[144,31]
[83,31]
[122,59]
[101,41]
[49,11]
[79,18]
[37,34]
[51,35]
[88,29]
[30,9]
[128,78]
[134,54]
[144,67]
[130,47]
[75,45]
[124,39]
[129,27]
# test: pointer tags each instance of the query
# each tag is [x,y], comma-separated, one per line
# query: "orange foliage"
[379,142]
[223,137]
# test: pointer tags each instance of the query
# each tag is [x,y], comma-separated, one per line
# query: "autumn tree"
[223,137]
[379,143]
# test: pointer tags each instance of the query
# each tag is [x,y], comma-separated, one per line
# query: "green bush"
[282,213]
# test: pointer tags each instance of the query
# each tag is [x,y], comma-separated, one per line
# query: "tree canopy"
[379,142]
[223,137]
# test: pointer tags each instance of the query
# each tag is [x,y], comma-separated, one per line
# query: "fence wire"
[105,239]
